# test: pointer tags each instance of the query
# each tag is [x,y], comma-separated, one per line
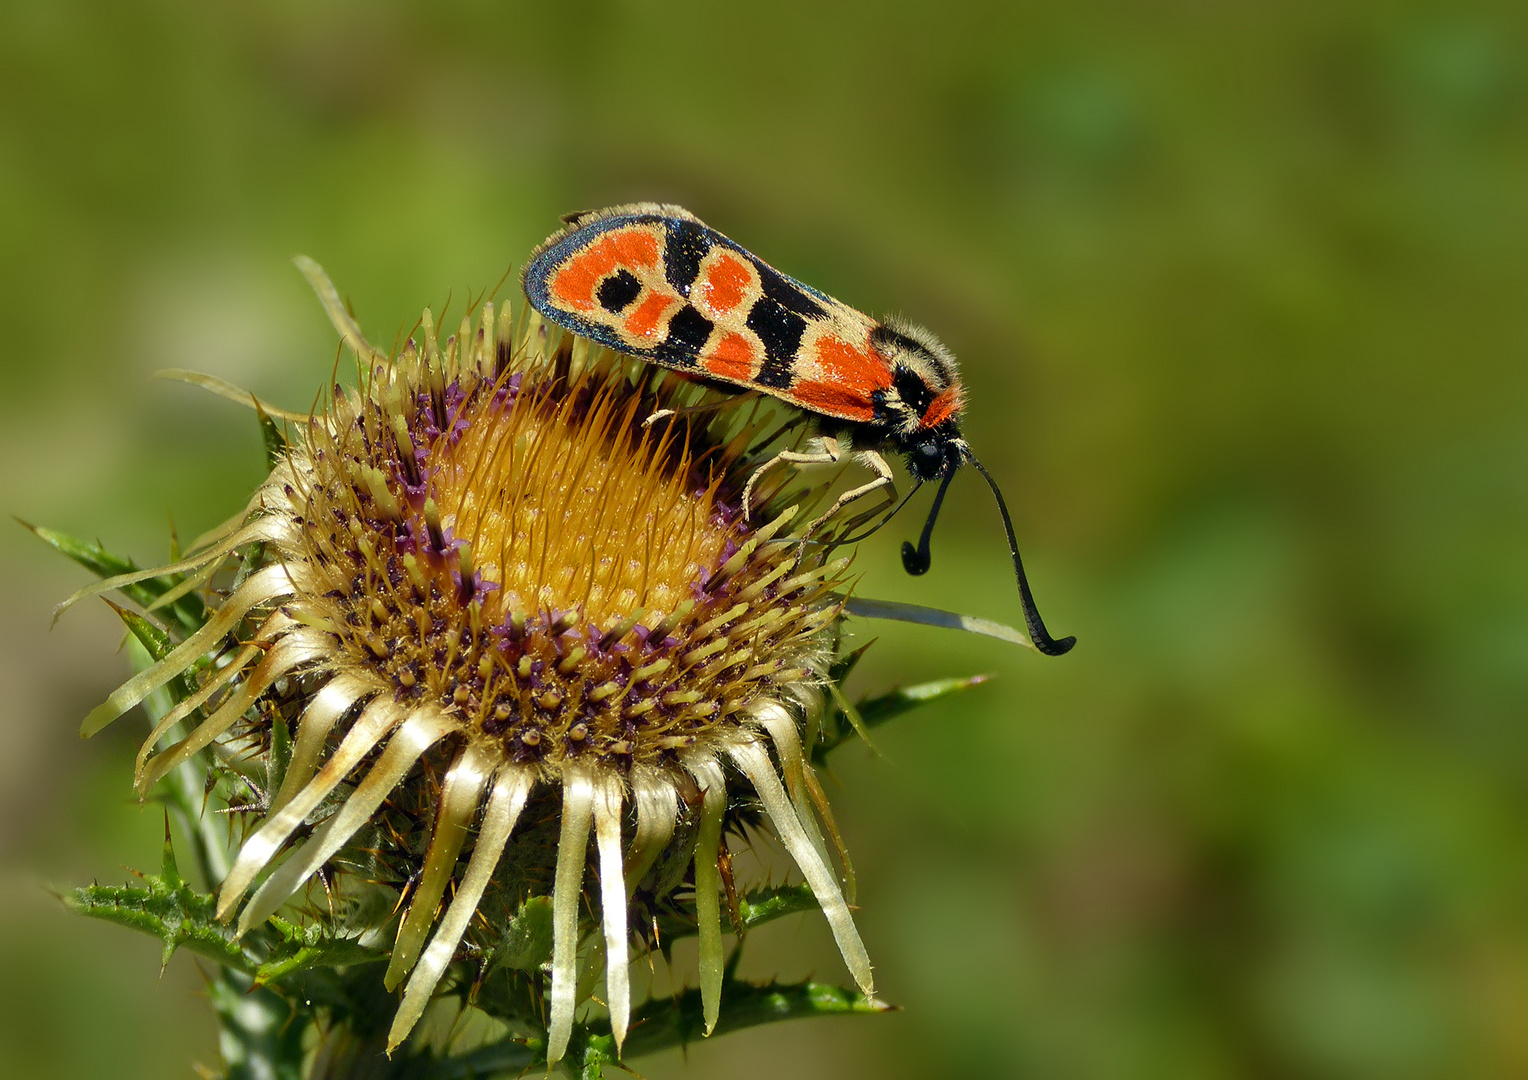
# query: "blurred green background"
[1239,291]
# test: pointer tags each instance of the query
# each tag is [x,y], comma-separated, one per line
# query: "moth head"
[931,454]
[925,400]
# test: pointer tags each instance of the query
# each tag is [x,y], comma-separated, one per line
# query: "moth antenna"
[1036,626]
[917,560]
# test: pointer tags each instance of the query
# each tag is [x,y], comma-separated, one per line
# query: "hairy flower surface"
[488,591]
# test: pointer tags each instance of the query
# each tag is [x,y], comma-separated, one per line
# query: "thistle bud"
[501,616]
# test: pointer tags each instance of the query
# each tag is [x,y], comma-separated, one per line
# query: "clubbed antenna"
[917,560]
[1036,626]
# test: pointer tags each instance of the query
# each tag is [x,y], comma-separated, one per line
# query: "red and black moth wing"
[655,282]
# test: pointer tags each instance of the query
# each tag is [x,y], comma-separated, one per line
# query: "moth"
[654,281]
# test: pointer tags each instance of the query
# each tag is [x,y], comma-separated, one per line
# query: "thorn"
[169,872]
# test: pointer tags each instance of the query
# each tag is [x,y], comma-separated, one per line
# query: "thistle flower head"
[486,590]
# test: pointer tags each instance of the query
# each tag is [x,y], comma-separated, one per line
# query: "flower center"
[586,511]
[570,582]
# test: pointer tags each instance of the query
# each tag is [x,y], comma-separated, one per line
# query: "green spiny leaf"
[187,610]
[310,947]
[848,711]
[280,755]
[844,666]
[169,876]
[169,872]
[527,940]
[754,909]
[765,905]
[668,1022]
[252,561]
[158,645]
[878,710]
[171,911]
[272,436]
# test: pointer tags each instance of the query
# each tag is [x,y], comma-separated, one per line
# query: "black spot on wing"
[687,244]
[687,334]
[780,330]
[617,291]
[787,293]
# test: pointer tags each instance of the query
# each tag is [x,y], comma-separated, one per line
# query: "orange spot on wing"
[643,322]
[725,284]
[635,248]
[734,358]
[832,399]
[858,369]
[845,380]
[941,408]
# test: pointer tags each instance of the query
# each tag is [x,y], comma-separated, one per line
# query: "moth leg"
[829,454]
[848,529]
[882,483]
[695,410]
